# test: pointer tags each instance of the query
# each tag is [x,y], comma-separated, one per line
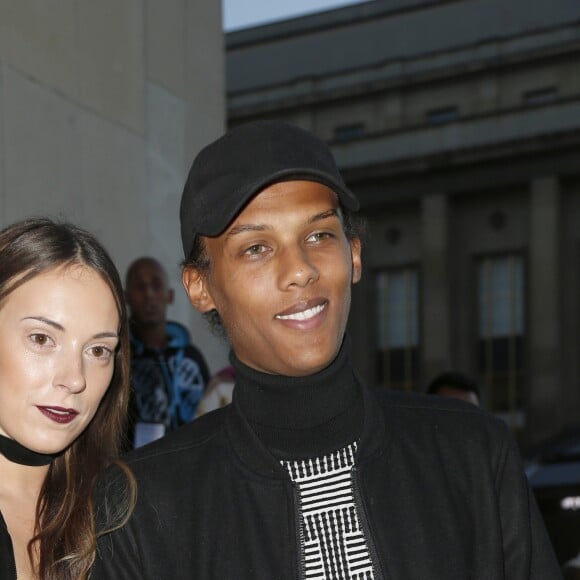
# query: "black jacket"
[441,490]
[7,563]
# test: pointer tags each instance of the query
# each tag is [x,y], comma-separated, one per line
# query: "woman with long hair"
[64,391]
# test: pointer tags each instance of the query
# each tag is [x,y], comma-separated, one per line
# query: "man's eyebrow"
[60,327]
[324,215]
[264,227]
[248,228]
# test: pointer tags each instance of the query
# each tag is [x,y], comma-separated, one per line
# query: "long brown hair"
[64,544]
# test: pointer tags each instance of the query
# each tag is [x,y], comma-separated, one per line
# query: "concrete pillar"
[435,305]
[102,133]
[544,283]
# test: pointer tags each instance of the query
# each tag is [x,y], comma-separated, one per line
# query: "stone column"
[435,286]
[544,327]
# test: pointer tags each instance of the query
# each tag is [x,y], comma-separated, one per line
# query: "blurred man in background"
[168,373]
[457,385]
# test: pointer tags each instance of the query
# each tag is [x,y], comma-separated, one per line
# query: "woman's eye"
[40,339]
[101,352]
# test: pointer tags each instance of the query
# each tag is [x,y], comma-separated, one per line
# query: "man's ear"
[194,283]
[355,252]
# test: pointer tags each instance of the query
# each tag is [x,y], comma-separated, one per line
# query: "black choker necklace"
[17,453]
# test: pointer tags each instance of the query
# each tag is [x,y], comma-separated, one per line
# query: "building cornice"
[391,75]
[328,19]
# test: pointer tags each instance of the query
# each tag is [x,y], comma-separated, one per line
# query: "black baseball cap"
[228,172]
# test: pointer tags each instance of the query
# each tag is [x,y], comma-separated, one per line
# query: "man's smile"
[305,314]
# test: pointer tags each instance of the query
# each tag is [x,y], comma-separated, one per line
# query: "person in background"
[571,569]
[310,473]
[168,373]
[457,385]
[64,391]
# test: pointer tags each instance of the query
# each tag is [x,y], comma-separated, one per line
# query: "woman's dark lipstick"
[58,414]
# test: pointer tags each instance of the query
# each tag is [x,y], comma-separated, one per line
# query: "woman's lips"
[58,414]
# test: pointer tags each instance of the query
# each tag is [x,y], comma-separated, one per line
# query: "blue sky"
[244,13]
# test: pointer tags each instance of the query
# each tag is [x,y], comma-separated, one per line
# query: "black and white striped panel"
[334,545]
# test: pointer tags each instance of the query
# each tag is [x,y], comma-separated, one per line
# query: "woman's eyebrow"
[46,321]
[57,326]
[106,335]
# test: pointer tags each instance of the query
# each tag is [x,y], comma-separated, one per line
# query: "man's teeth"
[304,315]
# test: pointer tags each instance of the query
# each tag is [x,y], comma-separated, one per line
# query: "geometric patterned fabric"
[333,543]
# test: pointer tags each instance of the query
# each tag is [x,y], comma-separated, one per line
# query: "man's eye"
[255,249]
[319,236]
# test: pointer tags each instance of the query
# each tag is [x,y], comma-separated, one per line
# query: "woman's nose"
[71,375]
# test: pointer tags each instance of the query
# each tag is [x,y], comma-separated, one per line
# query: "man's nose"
[297,268]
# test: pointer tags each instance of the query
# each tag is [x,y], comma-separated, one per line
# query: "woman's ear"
[195,283]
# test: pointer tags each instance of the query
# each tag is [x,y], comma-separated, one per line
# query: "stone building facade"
[457,124]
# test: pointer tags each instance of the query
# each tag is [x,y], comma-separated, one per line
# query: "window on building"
[540,96]
[398,328]
[442,116]
[350,131]
[501,333]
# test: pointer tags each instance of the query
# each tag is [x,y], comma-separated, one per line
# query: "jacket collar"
[254,455]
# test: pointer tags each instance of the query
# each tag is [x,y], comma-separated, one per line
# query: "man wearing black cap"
[309,473]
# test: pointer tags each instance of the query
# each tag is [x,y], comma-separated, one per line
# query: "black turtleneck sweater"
[312,424]
[298,417]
